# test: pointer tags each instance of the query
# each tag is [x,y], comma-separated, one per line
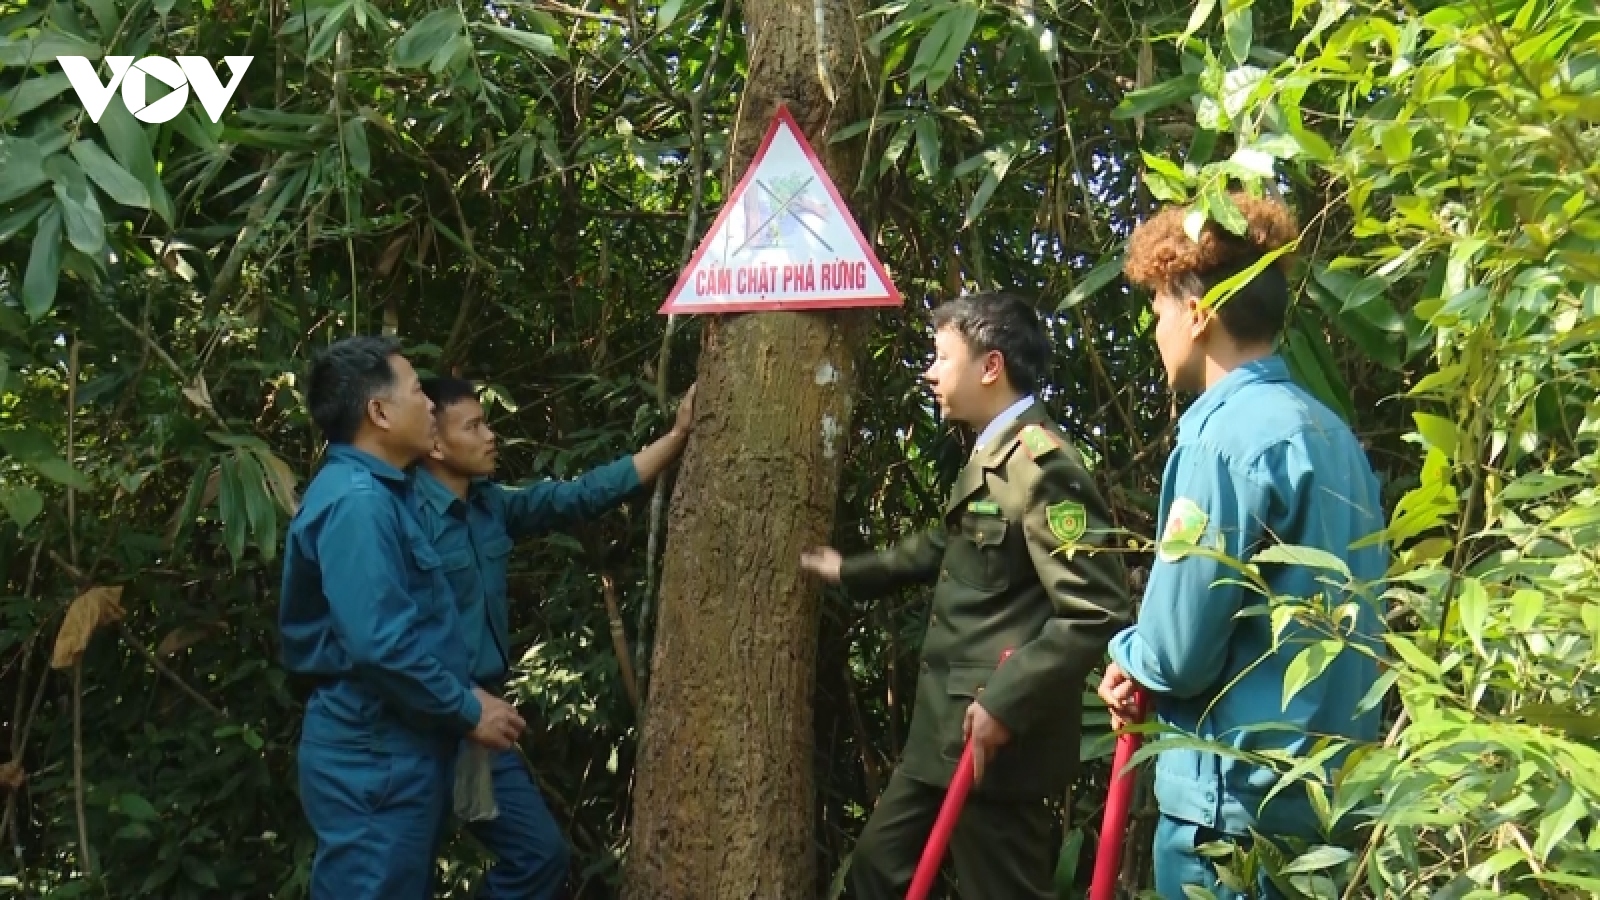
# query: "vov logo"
[180,76]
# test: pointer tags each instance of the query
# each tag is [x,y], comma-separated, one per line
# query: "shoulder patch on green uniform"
[1038,441]
[1186,523]
[983,508]
[1068,520]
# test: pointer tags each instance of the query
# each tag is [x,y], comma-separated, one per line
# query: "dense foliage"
[512,187]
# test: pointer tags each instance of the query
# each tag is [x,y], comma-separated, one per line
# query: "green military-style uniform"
[1015,568]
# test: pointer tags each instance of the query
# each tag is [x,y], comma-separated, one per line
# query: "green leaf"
[356,151]
[21,167]
[1577,517]
[12,225]
[63,472]
[44,265]
[105,14]
[231,507]
[1197,19]
[1396,141]
[200,872]
[897,146]
[1316,860]
[27,445]
[1224,290]
[32,94]
[426,38]
[43,48]
[1377,692]
[126,139]
[1439,432]
[930,47]
[1413,657]
[1097,278]
[1472,606]
[457,47]
[928,145]
[533,42]
[111,177]
[965,18]
[1146,101]
[328,33]
[1066,875]
[137,808]
[86,225]
[668,13]
[259,511]
[980,198]
[1307,666]
[1296,555]
[22,503]
[1224,212]
[1238,25]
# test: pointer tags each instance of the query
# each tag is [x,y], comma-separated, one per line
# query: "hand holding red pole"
[1119,802]
[945,825]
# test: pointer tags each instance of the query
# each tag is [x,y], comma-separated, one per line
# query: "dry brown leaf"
[281,480]
[95,607]
[391,255]
[183,637]
[208,494]
[12,776]
[198,393]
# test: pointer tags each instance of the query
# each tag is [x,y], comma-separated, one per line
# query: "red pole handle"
[1119,802]
[945,825]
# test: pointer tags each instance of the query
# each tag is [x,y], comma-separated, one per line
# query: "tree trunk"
[723,806]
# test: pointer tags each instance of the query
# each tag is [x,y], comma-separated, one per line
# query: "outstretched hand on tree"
[654,459]
[823,562]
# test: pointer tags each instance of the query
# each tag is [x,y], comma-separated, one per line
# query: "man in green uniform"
[1016,567]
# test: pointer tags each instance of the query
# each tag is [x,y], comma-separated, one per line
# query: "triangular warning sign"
[784,240]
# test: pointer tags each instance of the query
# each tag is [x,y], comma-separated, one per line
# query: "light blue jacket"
[1258,462]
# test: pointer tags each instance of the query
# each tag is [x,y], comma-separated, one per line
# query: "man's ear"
[994,366]
[1200,316]
[377,415]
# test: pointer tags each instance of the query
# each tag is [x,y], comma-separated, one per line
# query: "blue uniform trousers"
[530,850]
[377,816]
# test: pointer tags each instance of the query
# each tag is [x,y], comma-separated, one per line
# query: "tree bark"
[723,803]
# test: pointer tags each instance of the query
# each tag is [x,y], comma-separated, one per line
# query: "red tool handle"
[1119,801]
[945,825]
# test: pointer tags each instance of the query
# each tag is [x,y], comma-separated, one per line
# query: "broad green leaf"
[1307,666]
[928,145]
[231,508]
[1224,212]
[62,472]
[1397,143]
[1577,517]
[43,47]
[1411,656]
[668,13]
[21,167]
[105,15]
[1238,25]
[1440,433]
[355,145]
[426,38]
[1472,605]
[137,808]
[126,139]
[1254,161]
[1533,486]
[931,45]
[534,42]
[1096,279]
[27,445]
[31,94]
[1198,18]
[980,198]
[328,32]
[896,146]
[457,47]
[80,211]
[1295,555]
[258,508]
[1317,859]
[111,177]
[44,265]
[1379,689]
[13,224]
[22,503]
[1224,290]
[965,18]
[1146,101]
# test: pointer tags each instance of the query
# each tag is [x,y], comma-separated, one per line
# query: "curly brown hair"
[1160,252]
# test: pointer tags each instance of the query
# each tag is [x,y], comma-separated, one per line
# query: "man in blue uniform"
[1258,462]
[367,615]
[472,523]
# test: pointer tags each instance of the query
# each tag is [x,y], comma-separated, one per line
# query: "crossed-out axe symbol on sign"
[783,207]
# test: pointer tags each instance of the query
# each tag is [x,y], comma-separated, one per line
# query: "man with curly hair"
[1258,462]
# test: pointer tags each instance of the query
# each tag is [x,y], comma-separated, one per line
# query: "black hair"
[1257,312]
[1004,322]
[344,378]
[446,391]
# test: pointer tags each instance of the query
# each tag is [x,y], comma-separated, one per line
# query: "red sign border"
[894,297]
